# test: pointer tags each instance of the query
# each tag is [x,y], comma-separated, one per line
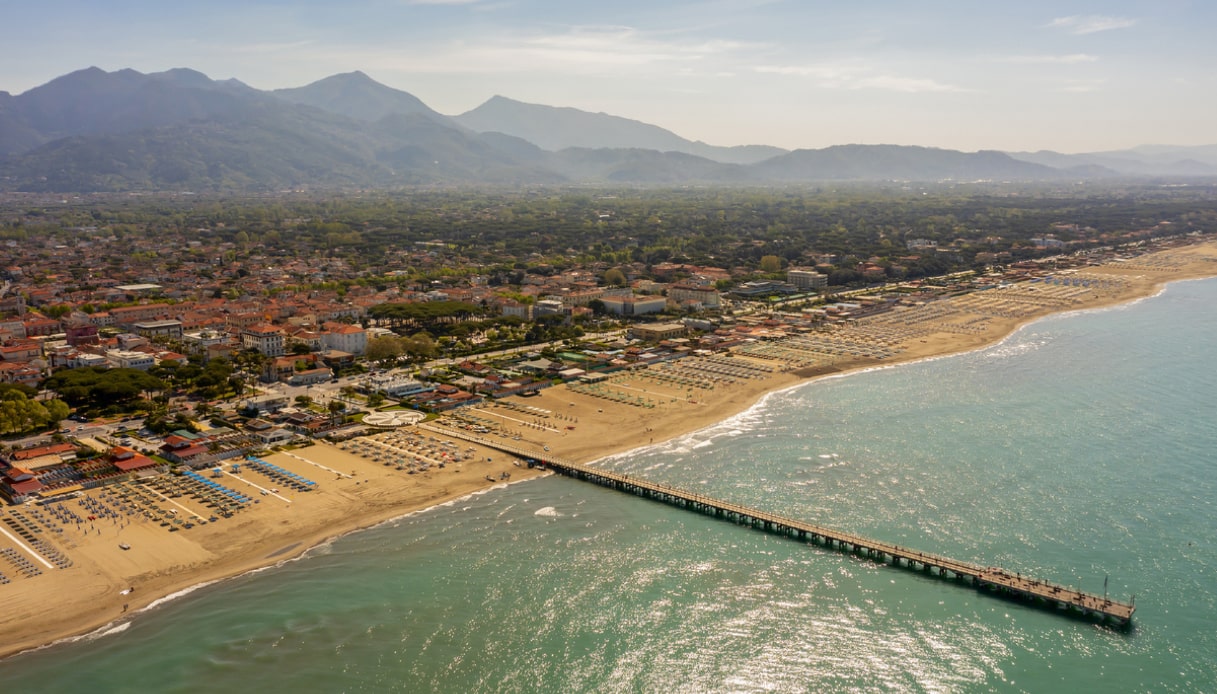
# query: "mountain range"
[93,130]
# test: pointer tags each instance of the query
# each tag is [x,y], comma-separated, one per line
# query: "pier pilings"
[996,581]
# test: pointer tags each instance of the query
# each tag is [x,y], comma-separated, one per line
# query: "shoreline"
[1150,289]
[122,624]
[196,559]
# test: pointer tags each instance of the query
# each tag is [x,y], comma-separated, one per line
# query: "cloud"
[1070,59]
[592,54]
[845,76]
[601,50]
[1090,24]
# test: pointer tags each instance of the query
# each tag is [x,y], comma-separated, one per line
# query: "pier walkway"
[1057,598]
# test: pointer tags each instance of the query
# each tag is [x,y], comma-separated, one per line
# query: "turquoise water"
[1081,448]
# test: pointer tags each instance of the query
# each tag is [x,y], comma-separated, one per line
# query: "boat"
[124,545]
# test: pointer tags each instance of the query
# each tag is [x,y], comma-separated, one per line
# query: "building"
[82,334]
[22,351]
[124,359]
[263,338]
[337,359]
[265,403]
[309,377]
[634,305]
[345,338]
[395,386]
[708,297]
[169,329]
[515,308]
[656,332]
[77,359]
[139,290]
[277,435]
[14,304]
[806,278]
[548,307]
[126,317]
[582,297]
[761,289]
[198,342]
[40,326]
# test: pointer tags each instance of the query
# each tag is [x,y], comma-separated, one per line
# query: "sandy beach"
[127,546]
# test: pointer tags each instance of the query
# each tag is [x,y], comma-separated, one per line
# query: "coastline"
[273,535]
[1141,286]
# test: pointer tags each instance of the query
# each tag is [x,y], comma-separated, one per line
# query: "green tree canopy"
[771,263]
[384,348]
[614,277]
[97,387]
[19,414]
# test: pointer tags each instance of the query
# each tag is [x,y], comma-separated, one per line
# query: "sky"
[1014,76]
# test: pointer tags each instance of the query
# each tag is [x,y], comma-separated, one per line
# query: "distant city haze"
[1070,77]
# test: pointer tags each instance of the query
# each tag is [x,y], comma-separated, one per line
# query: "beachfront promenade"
[1055,598]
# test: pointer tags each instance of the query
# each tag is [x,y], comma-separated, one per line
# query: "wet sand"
[354,490]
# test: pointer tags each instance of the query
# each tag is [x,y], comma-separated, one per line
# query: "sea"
[1082,450]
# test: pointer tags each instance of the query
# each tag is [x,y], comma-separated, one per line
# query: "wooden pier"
[1039,593]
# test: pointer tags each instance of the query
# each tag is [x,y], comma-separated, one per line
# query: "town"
[128,347]
[190,393]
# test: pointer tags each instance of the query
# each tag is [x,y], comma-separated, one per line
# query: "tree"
[237,385]
[336,408]
[614,278]
[384,348]
[304,400]
[771,264]
[100,388]
[57,410]
[420,345]
[19,414]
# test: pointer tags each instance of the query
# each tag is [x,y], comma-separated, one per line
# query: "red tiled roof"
[26,487]
[40,451]
[139,462]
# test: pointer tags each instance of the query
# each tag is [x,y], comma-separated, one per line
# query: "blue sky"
[1067,76]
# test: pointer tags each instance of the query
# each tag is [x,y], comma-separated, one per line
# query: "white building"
[708,297]
[806,278]
[395,386]
[171,329]
[123,359]
[264,338]
[76,360]
[198,342]
[345,338]
[548,307]
[634,305]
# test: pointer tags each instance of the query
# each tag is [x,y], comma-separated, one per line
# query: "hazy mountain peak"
[98,130]
[356,95]
[184,77]
[556,128]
